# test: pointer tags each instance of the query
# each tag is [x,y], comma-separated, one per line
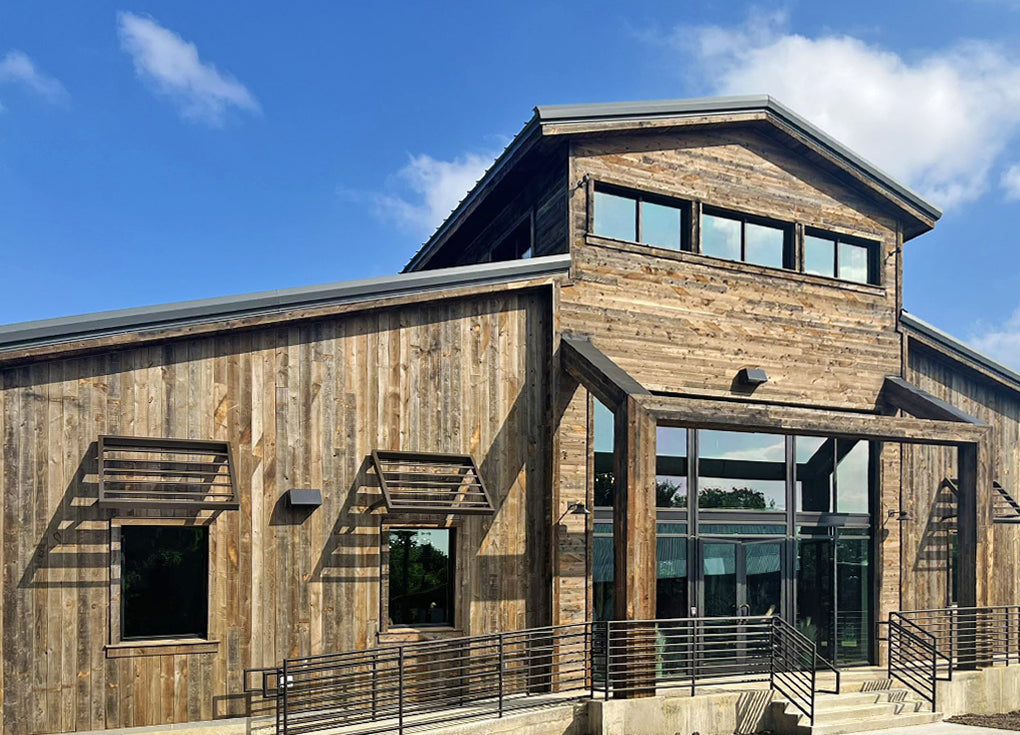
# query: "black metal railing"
[913,657]
[394,688]
[971,637]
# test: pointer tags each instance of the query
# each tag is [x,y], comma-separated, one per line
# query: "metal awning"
[165,474]
[416,482]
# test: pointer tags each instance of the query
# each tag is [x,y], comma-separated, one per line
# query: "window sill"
[404,634]
[168,647]
[685,256]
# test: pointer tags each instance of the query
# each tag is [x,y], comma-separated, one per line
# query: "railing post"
[609,651]
[400,690]
[281,702]
[375,685]
[772,655]
[500,674]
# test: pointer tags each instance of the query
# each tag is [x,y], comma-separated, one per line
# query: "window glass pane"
[853,262]
[720,237]
[853,600]
[671,577]
[603,440]
[742,529]
[819,256]
[602,577]
[815,465]
[741,470]
[660,225]
[816,591]
[671,468]
[164,581]
[615,216]
[765,245]
[852,476]
[420,576]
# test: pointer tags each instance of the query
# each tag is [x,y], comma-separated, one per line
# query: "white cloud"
[17,68]
[172,66]
[939,122]
[1011,181]
[424,192]
[1000,341]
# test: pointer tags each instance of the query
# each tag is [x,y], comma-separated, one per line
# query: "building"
[685,316]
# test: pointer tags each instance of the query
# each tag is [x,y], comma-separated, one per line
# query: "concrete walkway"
[941,728]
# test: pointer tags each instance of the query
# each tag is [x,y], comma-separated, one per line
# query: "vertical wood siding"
[302,406]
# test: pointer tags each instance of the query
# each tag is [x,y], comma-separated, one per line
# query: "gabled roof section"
[954,348]
[42,337]
[550,121]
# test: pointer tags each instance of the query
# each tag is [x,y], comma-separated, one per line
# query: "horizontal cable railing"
[913,657]
[971,637]
[395,688]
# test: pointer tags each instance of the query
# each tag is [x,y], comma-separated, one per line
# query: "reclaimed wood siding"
[302,406]
[681,322]
[926,498]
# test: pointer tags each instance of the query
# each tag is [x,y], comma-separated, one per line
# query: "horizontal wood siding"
[926,499]
[681,322]
[302,406]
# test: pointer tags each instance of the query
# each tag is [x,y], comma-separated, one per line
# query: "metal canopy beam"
[610,383]
[921,404]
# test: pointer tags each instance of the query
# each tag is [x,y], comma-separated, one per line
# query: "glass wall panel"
[720,572]
[763,577]
[671,468]
[671,571]
[744,471]
[816,590]
[816,462]
[852,475]
[602,571]
[765,245]
[853,598]
[720,237]
[603,439]
[660,225]
[615,216]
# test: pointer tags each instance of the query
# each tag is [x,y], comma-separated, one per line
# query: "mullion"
[637,218]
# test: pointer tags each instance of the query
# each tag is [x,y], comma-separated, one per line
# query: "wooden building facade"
[684,316]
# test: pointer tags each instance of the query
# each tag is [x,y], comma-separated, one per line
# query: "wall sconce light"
[305,499]
[575,509]
[752,377]
[900,515]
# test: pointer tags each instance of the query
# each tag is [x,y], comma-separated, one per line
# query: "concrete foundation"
[984,692]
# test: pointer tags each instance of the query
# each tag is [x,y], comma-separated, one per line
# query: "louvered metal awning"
[165,474]
[415,482]
[1005,508]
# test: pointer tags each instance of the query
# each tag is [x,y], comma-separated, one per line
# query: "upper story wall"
[684,322]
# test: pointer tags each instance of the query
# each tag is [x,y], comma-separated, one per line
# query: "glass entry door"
[741,578]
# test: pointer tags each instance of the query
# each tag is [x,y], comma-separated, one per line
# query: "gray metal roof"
[959,348]
[146,318]
[676,108]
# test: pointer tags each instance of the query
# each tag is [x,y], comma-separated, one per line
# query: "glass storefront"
[754,524]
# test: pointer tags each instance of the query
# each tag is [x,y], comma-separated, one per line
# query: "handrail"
[826,663]
[394,688]
[913,657]
[971,637]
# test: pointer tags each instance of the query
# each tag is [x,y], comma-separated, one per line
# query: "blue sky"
[154,152]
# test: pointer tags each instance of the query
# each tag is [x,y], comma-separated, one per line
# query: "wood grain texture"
[302,406]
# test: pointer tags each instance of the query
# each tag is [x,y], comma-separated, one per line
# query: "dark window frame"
[527,219]
[684,206]
[873,248]
[118,638]
[452,621]
[744,218]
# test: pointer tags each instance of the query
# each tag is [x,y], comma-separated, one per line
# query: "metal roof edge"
[722,105]
[99,324]
[960,349]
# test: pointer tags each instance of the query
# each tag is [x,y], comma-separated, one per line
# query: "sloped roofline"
[664,109]
[959,350]
[62,330]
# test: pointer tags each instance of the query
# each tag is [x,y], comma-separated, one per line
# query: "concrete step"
[870,723]
[866,711]
[850,699]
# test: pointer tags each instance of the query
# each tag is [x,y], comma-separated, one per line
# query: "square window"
[853,262]
[421,576]
[660,225]
[720,237]
[819,256]
[164,581]
[765,245]
[615,216]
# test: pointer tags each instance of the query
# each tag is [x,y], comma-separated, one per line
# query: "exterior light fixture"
[575,509]
[305,499]
[900,515]
[752,376]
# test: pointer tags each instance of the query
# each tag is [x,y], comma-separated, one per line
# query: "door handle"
[744,610]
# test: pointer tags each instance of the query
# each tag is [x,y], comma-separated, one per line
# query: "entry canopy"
[441,484]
